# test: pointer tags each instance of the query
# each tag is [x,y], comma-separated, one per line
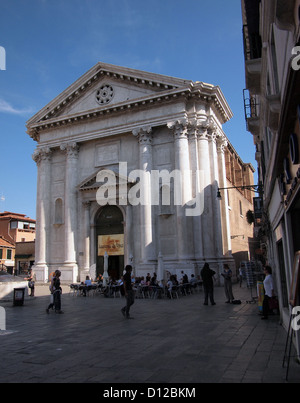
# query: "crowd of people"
[128,284]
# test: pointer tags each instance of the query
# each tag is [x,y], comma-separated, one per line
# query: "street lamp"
[254,188]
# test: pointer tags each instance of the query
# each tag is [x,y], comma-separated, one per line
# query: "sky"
[51,43]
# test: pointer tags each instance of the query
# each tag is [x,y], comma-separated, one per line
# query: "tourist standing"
[56,291]
[208,284]
[227,274]
[129,292]
[31,281]
[269,291]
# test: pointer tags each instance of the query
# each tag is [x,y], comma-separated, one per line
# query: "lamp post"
[254,188]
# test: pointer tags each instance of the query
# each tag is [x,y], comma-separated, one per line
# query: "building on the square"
[24,257]
[100,144]
[14,227]
[7,255]
[272,106]
[17,227]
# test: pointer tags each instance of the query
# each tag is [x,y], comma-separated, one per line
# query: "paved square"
[168,341]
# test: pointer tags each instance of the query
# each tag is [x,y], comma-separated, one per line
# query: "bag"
[273,303]
[31,284]
[51,299]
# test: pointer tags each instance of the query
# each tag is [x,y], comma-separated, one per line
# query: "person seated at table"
[174,279]
[193,281]
[88,281]
[100,279]
[143,282]
[84,287]
[184,278]
[153,281]
[169,286]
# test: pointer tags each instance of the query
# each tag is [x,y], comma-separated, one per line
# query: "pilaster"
[42,157]
[144,136]
[71,150]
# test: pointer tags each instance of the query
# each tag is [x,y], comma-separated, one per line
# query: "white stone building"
[272,72]
[146,122]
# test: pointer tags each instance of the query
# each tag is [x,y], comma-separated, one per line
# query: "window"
[241,208]
[228,198]
[14,224]
[1,253]
[166,199]
[274,64]
[283,283]
[8,254]
[58,214]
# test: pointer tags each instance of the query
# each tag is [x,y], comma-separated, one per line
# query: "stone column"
[182,164]
[196,187]
[144,136]
[205,167]
[42,157]
[221,145]
[216,214]
[70,264]
[87,235]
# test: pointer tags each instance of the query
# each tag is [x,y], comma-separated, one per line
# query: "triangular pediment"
[106,86]
[92,183]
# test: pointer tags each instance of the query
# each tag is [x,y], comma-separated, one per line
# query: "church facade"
[129,165]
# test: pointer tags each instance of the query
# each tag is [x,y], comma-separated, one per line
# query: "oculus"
[105,94]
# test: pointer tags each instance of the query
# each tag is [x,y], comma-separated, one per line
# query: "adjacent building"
[7,255]
[129,166]
[272,109]
[14,228]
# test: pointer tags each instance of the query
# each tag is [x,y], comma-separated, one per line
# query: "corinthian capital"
[143,134]
[42,154]
[179,128]
[222,143]
[71,149]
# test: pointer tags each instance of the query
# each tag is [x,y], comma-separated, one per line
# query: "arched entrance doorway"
[110,238]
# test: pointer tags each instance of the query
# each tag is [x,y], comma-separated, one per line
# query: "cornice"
[167,90]
[98,72]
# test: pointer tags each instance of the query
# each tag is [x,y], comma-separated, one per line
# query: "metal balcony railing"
[252,44]
[251,106]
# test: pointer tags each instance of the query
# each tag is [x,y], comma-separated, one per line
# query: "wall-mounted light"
[253,188]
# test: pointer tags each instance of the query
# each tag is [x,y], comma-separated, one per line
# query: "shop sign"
[112,244]
[258,207]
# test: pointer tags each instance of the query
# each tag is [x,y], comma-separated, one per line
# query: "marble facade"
[150,122]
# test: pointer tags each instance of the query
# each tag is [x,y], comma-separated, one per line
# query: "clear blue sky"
[51,43]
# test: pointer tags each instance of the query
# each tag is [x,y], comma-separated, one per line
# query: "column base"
[41,272]
[69,272]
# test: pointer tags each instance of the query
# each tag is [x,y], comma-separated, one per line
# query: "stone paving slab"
[168,341]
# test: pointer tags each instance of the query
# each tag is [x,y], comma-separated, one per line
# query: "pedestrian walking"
[129,292]
[56,291]
[31,281]
[269,291]
[227,274]
[208,284]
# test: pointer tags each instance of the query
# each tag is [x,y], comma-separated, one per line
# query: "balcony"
[251,108]
[252,53]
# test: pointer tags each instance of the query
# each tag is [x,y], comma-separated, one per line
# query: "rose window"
[105,94]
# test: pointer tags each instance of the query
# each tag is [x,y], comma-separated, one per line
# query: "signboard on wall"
[258,207]
[112,244]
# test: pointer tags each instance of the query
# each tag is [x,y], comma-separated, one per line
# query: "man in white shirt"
[269,291]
